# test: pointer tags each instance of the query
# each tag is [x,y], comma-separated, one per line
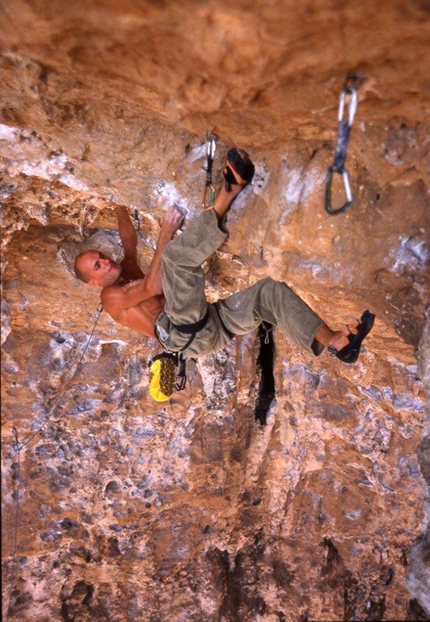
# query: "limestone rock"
[195,510]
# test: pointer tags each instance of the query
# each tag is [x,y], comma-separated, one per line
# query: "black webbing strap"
[192,329]
[187,329]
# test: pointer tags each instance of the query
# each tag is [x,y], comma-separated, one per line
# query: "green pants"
[184,288]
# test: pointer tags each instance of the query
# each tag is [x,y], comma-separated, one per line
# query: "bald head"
[95,268]
[80,273]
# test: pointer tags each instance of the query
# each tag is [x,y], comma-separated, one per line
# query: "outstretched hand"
[173,220]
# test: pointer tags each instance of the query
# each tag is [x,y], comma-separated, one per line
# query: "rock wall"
[116,508]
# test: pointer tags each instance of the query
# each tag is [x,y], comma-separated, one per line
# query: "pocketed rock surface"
[119,509]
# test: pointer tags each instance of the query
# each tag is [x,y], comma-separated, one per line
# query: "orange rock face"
[116,508]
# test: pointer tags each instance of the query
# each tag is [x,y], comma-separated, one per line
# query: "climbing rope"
[19,446]
[211,139]
[349,93]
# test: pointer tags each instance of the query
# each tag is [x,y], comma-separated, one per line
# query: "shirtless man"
[130,297]
[169,302]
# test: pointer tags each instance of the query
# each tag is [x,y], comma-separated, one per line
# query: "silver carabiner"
[347,187]
[210,144]
[352,108]
[210,152]
[344,127]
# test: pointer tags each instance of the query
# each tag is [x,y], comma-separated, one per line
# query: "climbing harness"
[191,329]
[344,129]
[211,139]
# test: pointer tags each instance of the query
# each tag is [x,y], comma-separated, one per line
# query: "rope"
[18,447]
[66,386]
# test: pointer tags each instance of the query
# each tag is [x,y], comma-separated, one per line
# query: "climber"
[130,297]
[170,303]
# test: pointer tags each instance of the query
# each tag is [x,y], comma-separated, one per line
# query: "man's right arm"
[172,222]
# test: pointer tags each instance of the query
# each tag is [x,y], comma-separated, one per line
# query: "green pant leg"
[182,276]
[273,302]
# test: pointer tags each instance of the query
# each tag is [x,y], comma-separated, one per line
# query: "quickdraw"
[267,330]
[211,139]
[136,220]
[338,166]
[181,378]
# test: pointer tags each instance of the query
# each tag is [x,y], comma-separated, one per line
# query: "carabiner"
[268,328]
[338,166]
[352,108]
[136,219]
[205,204]
[210,152]
[210,144]
[347,187]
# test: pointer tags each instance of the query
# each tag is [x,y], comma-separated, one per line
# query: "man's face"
[101,270]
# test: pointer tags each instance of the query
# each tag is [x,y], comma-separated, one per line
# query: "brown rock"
[131,510]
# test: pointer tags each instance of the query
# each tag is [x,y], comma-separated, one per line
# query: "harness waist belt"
[192,329]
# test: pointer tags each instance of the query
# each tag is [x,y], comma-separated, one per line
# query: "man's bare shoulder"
[119,289]
[114,297]
[119,296]
[110,295]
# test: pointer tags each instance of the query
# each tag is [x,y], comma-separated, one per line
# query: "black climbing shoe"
[349,354]
[239,163]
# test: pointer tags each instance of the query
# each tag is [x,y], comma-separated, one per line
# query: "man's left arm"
[128,236]
[127,233]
